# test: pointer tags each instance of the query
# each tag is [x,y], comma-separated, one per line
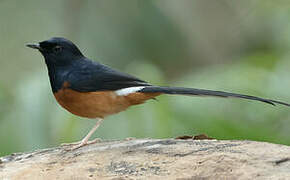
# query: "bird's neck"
[57,76]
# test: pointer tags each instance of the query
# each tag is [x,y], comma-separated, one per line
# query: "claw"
[80,144]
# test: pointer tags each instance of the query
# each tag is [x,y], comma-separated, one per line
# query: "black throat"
[57,76]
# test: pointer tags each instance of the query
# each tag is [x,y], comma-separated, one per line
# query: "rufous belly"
[100,103]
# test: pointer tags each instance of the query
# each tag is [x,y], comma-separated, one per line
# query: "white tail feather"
[127,91]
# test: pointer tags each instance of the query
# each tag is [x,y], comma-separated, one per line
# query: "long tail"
[203,92]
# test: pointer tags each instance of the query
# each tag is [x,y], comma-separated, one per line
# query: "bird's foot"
[129,138]
[79,144]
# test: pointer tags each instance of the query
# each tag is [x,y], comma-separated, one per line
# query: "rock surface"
[154,159]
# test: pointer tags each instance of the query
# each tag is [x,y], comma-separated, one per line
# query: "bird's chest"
[91,104]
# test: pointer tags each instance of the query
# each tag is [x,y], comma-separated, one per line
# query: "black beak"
[34,45]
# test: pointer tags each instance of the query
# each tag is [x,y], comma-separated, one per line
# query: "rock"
[153,159]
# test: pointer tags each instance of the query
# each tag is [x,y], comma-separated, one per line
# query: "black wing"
[89,76]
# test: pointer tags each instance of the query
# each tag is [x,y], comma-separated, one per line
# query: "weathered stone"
[154,159]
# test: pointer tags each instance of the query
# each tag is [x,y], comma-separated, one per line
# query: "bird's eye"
[57,49]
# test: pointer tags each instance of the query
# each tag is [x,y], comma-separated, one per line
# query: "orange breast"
[98,104]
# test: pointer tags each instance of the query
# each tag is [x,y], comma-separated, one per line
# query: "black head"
[58,51]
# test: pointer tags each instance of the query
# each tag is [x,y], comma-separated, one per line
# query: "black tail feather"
[203,92]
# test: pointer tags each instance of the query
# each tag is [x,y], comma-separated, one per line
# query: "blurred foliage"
[239,46]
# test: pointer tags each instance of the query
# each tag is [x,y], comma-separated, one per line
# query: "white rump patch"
[127,91]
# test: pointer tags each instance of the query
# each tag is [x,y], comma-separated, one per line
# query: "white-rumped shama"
[89,89]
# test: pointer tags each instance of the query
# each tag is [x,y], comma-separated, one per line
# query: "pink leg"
[85,141]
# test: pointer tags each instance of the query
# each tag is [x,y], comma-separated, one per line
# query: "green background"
[239,46]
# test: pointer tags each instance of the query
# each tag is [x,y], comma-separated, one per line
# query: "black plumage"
[204,92]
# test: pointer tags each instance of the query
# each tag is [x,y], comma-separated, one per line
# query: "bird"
[89,89]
